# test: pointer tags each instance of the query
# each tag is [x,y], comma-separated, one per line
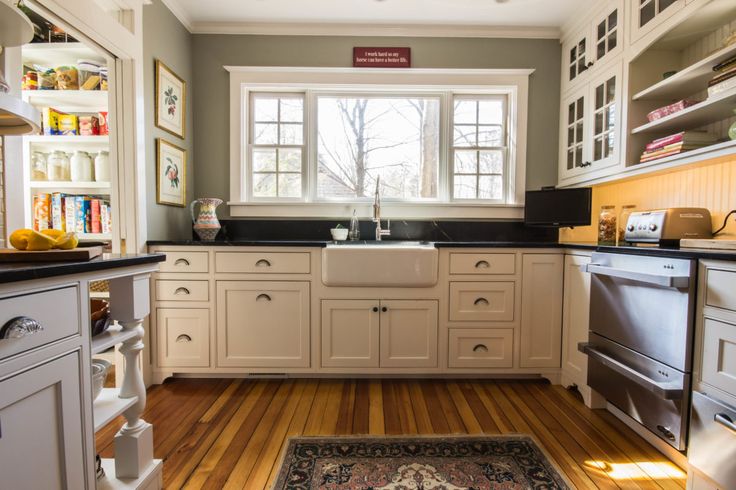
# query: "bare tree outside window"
[360,138]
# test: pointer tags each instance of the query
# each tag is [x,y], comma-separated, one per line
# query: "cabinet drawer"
[482,264]
[183,337]
[167,290]
[719,355]
[720,289]
[57,311]
[482,301]
[185,261]
[481,347]
[262,262]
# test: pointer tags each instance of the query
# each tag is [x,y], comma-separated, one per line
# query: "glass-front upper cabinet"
[591,124]
[599,40]
[647,15]
[574,136]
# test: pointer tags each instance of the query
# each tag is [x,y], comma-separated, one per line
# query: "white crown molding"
[380,30]
[180,14]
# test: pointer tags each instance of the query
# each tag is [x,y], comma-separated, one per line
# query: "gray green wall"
[164,38]
[211,105]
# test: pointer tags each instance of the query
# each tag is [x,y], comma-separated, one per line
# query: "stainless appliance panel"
[713,439]
[645,303]
[652,393]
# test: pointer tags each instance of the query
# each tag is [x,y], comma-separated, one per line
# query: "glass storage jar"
[623,218]
[607,225]
[102,167]
[39,166]
[81,167]
[58,166]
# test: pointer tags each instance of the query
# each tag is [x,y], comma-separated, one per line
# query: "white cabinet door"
[408,333]
[575,310]
[605,108]
[42,431]
[648,15]
[574,134]
[350,333]
[263,324]
[607,32]
[183,337]
[576,58]
[541,310]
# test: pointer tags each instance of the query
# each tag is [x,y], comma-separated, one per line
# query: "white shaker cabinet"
[541,310]
[263,324]
[43,405]
[648,15]
[379,333]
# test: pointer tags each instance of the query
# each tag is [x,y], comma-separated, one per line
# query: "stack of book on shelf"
[676,143]
[71,213]
[725,77]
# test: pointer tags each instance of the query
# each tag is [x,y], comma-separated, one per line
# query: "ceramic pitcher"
[206,224]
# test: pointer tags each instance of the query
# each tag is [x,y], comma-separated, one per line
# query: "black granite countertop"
[26,271]
[692,253]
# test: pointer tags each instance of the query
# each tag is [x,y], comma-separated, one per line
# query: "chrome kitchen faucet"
[377,213]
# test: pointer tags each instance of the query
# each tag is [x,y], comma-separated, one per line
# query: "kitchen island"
[47,411]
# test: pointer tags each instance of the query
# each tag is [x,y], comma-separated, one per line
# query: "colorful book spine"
[667,140]
[95,225]
[70,214]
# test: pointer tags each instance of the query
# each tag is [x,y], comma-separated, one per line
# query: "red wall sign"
[382,57]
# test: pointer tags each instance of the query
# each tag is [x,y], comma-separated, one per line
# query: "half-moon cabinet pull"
[481,348]
[263,263]
[482,264]
[263,296]
[725,421]
[181,290]
[481,301]
[19,327]
[181,262]
[183,338]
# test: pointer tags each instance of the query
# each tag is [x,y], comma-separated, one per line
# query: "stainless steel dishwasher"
[640,340]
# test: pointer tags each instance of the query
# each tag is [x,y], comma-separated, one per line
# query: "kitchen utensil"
[100,367]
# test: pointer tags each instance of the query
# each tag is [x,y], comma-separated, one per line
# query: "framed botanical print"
[171,100]
[171,174]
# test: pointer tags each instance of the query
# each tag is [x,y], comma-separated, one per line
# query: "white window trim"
[514,82]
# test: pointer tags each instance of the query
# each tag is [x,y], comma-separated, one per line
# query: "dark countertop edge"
[691,253]
[24,271]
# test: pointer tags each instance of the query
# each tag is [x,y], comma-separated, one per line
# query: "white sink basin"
[385,263]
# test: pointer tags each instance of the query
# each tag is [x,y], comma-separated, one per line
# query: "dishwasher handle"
[664,280]
[666,391]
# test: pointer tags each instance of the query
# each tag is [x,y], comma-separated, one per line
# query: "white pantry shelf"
[689,80]
[109,405]
[68,143]
[68,100]
[51,55]
[110,337]
[715,108]
[94,236]
[98,187]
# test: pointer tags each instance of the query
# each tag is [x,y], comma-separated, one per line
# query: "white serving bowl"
[100,368]
[339,234]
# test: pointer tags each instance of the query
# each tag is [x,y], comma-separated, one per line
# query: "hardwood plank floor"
[229,433]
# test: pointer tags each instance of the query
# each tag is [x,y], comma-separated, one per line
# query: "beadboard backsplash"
[710,184]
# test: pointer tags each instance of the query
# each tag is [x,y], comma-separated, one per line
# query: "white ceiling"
[535,18]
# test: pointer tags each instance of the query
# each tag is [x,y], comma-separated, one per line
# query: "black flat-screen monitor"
[558,207]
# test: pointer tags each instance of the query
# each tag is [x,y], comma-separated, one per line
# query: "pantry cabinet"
[541,310]
[379,333]
[263,324]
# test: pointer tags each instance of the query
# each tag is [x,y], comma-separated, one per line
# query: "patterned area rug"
[421,463]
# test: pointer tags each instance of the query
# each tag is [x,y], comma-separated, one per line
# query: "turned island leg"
[129,305]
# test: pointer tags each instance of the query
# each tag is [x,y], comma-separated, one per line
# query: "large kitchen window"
[432,146]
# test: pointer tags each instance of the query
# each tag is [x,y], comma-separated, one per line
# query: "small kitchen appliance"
[668,226]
